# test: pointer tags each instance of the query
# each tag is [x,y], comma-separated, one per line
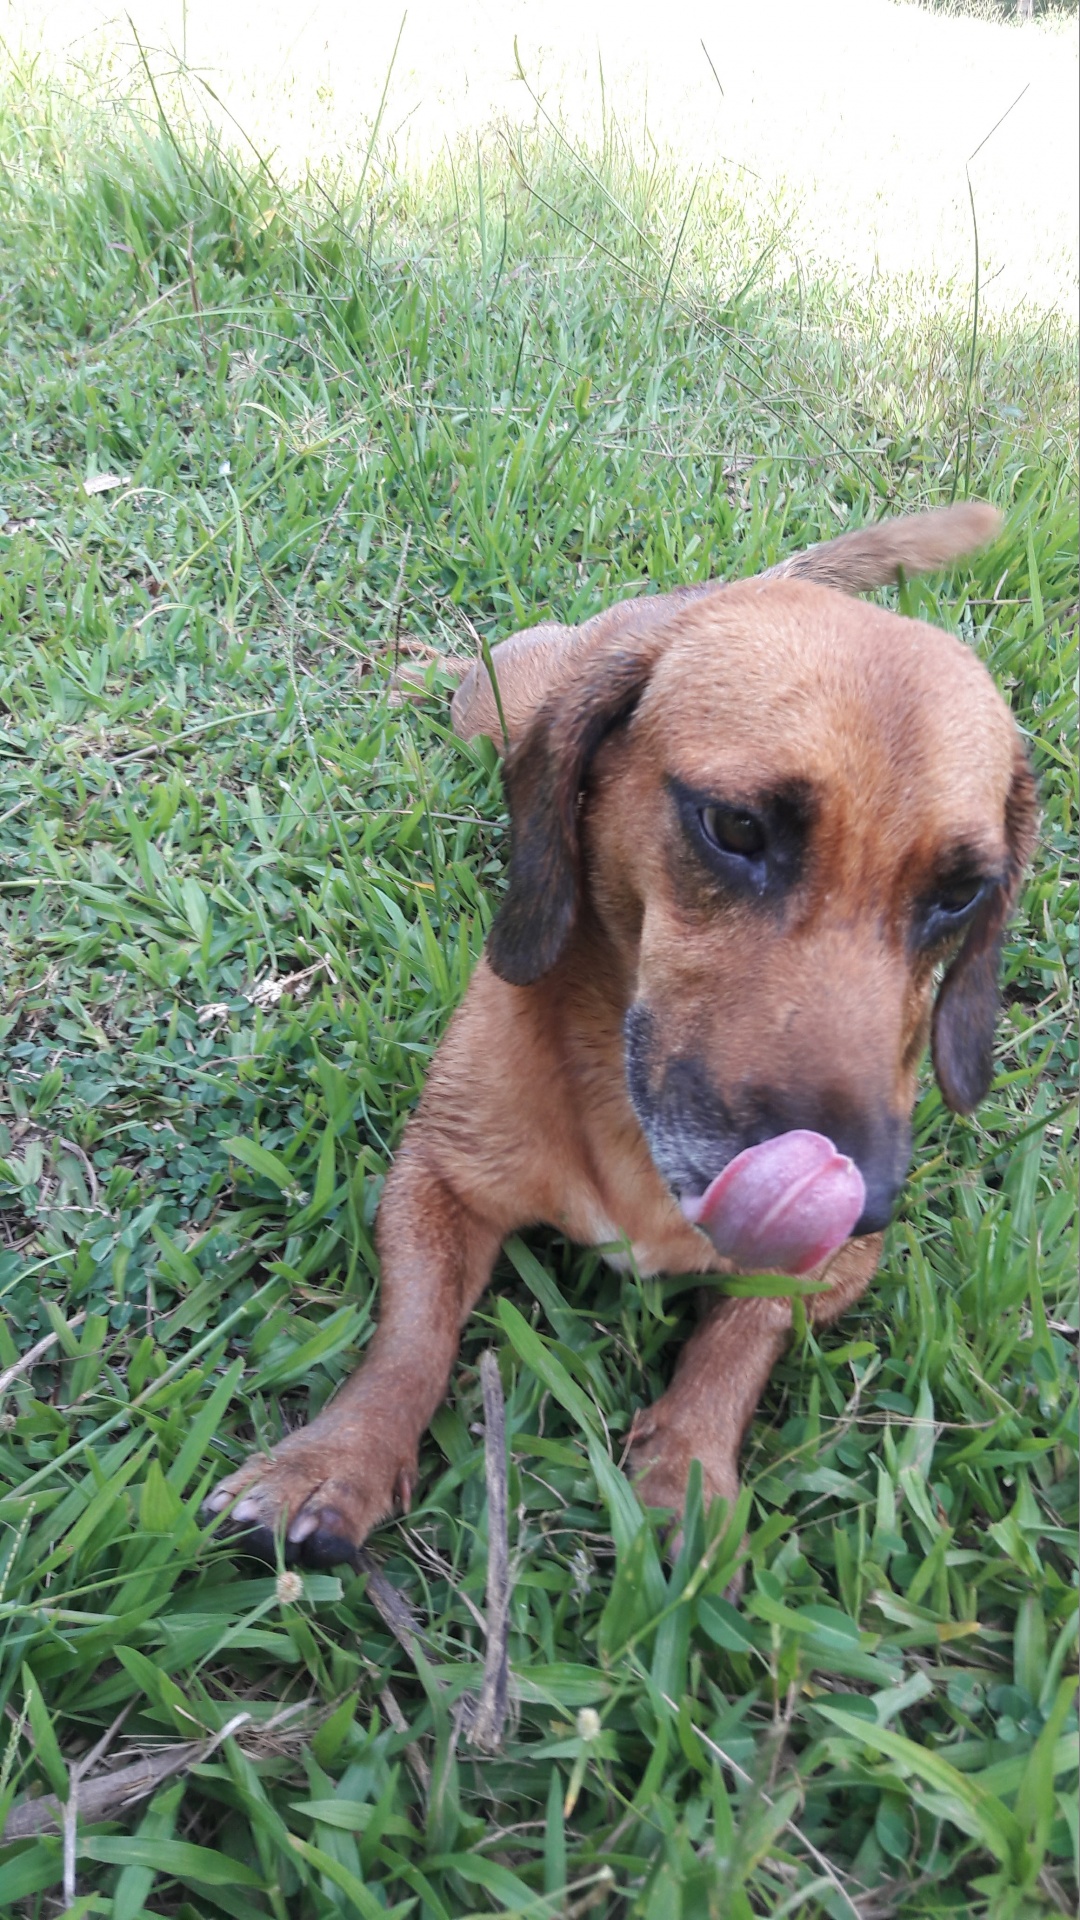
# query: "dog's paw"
[313,1500]
[660,1455]
[659,1460]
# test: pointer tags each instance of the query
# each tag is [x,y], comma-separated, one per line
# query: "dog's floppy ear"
[962,1041]
[543,774]
[531,665]
[527,665]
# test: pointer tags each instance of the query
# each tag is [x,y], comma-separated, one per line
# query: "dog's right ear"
[543,775]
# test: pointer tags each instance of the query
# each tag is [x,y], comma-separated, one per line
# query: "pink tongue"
[785,1205]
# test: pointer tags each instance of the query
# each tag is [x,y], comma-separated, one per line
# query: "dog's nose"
[881,1199]
[876,1139]
[881,1149]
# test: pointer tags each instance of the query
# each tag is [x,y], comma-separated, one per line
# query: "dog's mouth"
[784,1205]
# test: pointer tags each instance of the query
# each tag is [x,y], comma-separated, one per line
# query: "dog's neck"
[588,993]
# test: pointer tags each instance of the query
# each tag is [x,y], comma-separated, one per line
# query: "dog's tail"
[874,556]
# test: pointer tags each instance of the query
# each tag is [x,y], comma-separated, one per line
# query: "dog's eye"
[734,831]
[748,847]
[958,898]
[945,914]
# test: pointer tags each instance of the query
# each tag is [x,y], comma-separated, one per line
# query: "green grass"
[354,417]
[1058,12]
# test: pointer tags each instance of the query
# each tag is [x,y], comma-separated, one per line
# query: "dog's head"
[780,813]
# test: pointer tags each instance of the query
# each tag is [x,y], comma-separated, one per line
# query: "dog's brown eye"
[734,831]
[958,896]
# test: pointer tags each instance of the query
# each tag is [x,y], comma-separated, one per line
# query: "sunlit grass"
[843,130]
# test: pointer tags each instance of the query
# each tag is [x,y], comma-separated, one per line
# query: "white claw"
[218,1501]
[302,1527]
[246,1510]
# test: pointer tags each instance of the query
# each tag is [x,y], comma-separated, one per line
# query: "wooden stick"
[107,1795]
[490,1716]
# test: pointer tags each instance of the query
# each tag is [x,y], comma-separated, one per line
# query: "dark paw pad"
[258,1541]
[327,1546]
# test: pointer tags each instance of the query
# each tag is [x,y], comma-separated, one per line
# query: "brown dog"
[747,823]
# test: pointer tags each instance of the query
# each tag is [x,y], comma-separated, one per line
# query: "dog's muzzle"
[778,1182]
[784,1205]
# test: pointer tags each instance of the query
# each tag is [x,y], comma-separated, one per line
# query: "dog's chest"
[662,1248]
[616,1201]
[625,1256]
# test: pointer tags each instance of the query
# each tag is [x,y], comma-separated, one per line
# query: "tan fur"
[896,733]
[530,664]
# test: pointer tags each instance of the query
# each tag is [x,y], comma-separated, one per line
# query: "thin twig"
[392,1608]
[154,747]
[418,1766]
[35,1353]
[195,301]
[576,156]
[819,1858]
[141,313]
[72,1146]
[70,1812]
[490,1716]
[975,311]
[715,75]
[110,1793]
[425,1552]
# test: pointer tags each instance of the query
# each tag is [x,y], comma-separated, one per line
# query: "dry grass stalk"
[490,1716]
[110,1793]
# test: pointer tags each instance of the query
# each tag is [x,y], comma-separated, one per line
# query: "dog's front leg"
[326,1485]
[720,1377]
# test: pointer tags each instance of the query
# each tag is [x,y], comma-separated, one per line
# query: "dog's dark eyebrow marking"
[796,798]
[961,866]
[963,861]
